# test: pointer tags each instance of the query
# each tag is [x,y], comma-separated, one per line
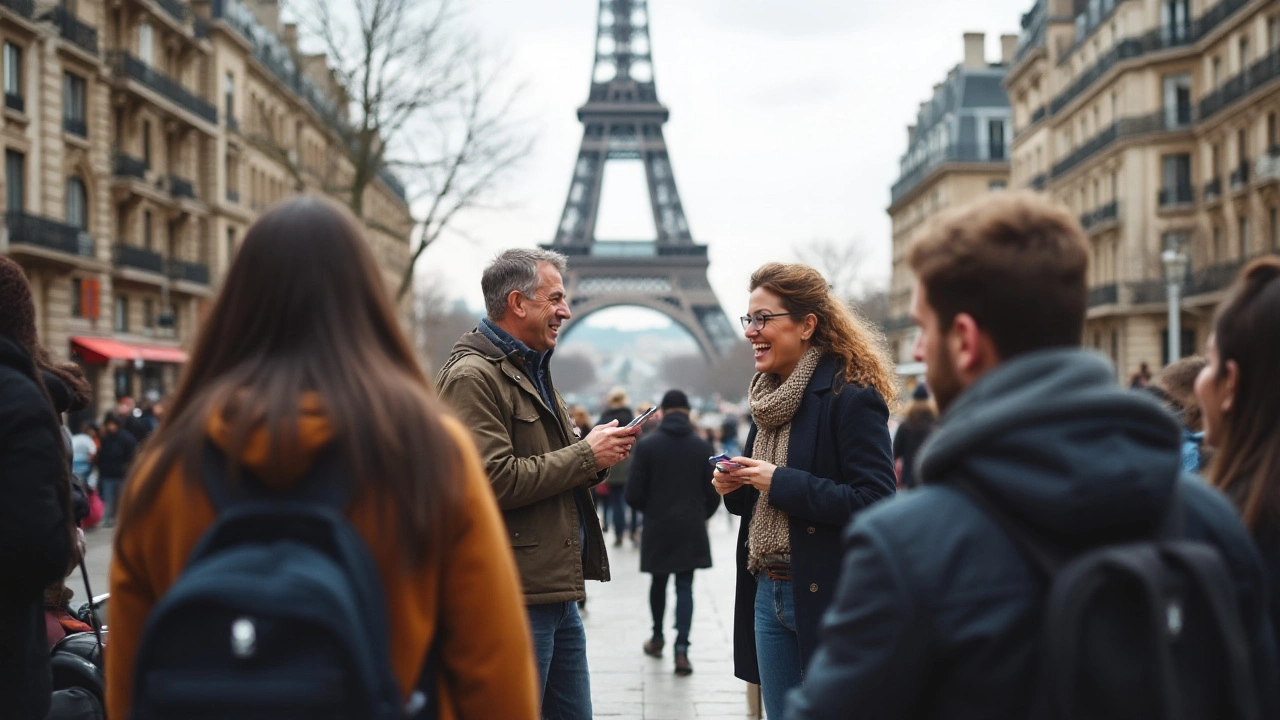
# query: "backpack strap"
[324,484]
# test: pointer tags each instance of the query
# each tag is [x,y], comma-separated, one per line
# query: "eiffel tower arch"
[622,120]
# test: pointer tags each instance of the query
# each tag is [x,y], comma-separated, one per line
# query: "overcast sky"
[787,120]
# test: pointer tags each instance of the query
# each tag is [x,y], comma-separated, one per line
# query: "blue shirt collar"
[509,345]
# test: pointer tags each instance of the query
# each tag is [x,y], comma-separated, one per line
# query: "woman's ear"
[1231,382]
[809,326]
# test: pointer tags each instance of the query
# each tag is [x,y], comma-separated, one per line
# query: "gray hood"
[1050,437]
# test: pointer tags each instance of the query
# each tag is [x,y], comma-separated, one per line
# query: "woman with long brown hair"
[817,453]
[300,353]
[1240,408]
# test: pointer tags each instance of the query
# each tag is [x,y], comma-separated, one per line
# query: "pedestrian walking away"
[114,459]
[818,453]
[671,483]
[1026,576]
[498,382]
[911,434]
[37,531]
[307,449]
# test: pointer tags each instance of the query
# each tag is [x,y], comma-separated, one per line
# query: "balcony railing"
[130,66]
[965,153]
[1100,215]
[1039,114]
[1253,77]
[1213,189]
[1240,176]
[201,27]
[181,188]
[233,196]
[75,126]
[1176,196]
[1268,166]
[128,166]
[175,8]
[670,250]
[1213,278]
[1156,122]
[50,234]
[139,258]
[1085,151]
[70,28]
[1104,295]
[15,102]
[189,271]
[1147,291]
[233,124]
[1040,181]
[25,8]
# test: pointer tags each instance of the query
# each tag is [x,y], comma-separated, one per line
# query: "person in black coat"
[940,612]
[36,532]
[114,458]
[615,504]
[821,386]
[670,482]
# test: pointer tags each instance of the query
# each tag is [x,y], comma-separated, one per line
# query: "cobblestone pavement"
[626,684]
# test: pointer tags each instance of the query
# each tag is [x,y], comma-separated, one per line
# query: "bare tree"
[839,262]
[438,322]
[423,102]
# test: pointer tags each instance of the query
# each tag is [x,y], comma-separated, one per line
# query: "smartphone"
[723,463]
[640,419]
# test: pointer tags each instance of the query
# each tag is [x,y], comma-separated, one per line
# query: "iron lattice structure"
[622,120]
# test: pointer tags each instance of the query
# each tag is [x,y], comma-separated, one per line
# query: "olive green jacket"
[540,470]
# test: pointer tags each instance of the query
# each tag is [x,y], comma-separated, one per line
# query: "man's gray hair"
[515,269]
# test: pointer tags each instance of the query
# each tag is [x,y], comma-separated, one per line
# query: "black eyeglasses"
[758,320]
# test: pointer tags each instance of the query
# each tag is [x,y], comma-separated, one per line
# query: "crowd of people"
[311,527]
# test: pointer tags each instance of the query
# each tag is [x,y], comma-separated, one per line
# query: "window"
[146,229]
[146,143]
[229,94]
[13,74]
[15,181]
[1273,34]
[122,314]
[1216,167]
[1217,243]
[995,139]
[1242,146]
[1177,100]
[1174,20]
[1217,73]
[1177,176]
[148,313]
[73,118]
[144,43]
[77,204]
[77,297]
[996,185]
[1273,143]
[1243,237]
[1244,53]
[231,245]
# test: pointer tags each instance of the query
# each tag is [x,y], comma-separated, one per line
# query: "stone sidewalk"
[626,684]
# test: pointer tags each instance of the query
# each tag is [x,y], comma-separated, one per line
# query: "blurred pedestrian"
[912,432]
[671,483]
[303,355]
[1039,459]
[114,459]
[1240,403]
[1141,378]
[1174,387]
[818,454]
[498,381]
[37,528]
[615,497]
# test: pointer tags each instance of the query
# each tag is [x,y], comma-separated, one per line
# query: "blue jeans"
[616,509]
[684,606]
[109,488]
[777,644]
[560,647]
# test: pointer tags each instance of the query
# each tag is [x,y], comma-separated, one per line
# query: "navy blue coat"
[839,461]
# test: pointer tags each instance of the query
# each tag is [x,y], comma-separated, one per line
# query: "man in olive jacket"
[498,382]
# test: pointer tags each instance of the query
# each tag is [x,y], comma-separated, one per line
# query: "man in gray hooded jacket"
[938,613]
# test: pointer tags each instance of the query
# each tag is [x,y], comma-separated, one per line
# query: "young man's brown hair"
[1014,261]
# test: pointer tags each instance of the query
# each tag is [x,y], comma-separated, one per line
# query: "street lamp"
[1175,269]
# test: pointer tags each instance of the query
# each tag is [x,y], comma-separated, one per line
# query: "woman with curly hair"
[817,453]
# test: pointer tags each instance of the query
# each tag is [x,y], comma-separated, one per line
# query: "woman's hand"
[725,483]
[756,473]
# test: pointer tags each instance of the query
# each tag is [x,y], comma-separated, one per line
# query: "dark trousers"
[684,606]
[616,508]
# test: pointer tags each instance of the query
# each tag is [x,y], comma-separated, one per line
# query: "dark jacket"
[619,473]
[938,614]
[671,484]
[540,472]
[116,454]
[838,462]
[35,538]
[906,443]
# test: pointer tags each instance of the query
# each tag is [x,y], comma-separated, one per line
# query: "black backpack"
[279,614]
[1139,628]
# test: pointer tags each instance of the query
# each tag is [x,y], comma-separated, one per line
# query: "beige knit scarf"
[773,405]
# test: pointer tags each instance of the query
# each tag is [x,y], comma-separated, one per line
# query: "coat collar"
[804,426]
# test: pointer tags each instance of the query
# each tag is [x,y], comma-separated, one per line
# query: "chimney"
[911,135]
[290,37]
[267,13]
[1008,43]
[975,54]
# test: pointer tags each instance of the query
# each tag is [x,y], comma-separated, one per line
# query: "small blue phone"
[723,463]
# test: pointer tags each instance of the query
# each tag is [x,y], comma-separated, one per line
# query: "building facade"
[957,150]
[1156,121]
[142,137]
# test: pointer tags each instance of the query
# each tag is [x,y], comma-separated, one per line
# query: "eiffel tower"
[623,120]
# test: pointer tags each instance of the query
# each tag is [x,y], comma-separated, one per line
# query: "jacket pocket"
[523,538]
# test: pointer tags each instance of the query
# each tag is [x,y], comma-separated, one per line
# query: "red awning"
[100,350]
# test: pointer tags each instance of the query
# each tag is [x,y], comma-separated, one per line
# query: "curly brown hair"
[18,321]
[841,329]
